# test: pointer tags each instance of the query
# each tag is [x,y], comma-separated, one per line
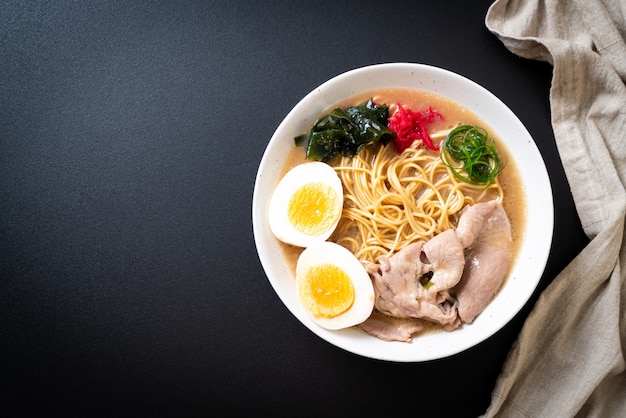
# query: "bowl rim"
[478,99]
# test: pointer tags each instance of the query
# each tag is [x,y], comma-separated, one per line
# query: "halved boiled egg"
[306,205]
[333,286]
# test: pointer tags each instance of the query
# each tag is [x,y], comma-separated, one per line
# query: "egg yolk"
[313,208]
[326,290]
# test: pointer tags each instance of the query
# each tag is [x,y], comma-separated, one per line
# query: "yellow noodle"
[392,200]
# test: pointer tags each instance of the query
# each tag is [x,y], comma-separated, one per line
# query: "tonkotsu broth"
[514,201]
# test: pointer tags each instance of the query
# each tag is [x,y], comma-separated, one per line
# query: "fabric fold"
[568,359]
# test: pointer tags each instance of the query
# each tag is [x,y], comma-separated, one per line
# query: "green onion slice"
[471,155]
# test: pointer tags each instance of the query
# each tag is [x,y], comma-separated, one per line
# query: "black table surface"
[130,137]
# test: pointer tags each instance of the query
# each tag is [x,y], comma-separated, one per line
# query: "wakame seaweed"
[345,132]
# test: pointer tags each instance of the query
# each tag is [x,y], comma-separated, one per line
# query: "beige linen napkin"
[568,360]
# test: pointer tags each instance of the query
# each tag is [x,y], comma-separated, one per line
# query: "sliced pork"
[448,280]
[414,282]
[388,328]
[472,220]
[444,253]
[486,264]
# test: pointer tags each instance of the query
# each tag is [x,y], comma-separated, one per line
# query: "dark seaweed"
[345,132]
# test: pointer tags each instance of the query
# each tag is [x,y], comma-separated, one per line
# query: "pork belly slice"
[388,328]
[444,253]
[487,258]
[398,280]
[472,220]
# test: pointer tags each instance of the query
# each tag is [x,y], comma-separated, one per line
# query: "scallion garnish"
[471,155]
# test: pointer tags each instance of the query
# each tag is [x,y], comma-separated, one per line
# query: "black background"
[130,136]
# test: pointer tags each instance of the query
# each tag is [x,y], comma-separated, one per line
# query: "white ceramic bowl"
[531,261]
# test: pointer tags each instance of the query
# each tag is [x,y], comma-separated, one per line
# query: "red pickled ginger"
[411,126]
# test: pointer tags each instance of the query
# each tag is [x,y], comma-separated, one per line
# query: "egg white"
[335,254]
[294,179]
